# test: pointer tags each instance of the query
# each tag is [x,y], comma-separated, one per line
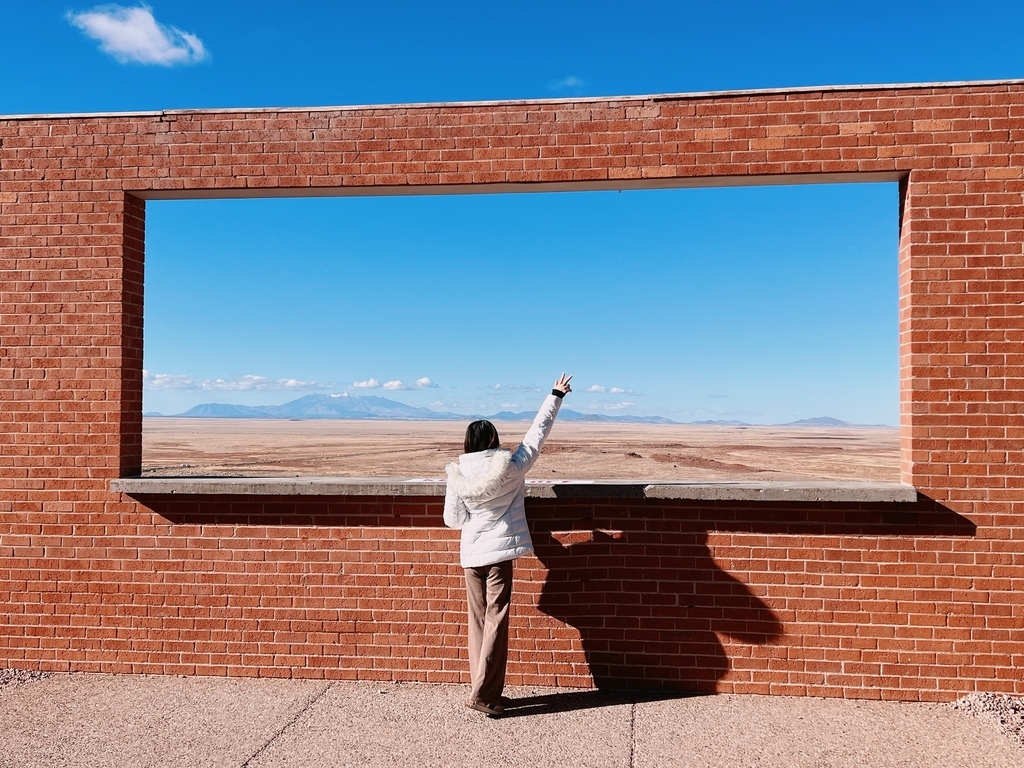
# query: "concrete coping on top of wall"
[809,491]
[851,87]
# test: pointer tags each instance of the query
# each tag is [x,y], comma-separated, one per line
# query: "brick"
[914,604]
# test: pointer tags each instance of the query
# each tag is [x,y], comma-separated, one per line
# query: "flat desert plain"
[575,451]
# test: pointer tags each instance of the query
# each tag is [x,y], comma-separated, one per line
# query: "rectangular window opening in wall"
[717,335]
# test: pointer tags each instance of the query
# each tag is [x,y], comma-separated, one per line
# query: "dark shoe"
[491,710]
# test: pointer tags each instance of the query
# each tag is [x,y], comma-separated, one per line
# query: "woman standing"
[485,499]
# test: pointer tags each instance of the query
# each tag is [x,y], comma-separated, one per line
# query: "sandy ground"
[281,448]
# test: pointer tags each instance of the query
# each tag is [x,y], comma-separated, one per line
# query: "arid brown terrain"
[420,449]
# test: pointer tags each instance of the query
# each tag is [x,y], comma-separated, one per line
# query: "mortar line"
[632,734]
[280,732]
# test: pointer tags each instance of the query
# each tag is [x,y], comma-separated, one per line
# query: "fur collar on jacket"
[479,475]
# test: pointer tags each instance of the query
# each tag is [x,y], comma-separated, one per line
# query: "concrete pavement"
[142,721]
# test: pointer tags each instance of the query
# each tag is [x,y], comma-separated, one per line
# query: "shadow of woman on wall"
[649,612]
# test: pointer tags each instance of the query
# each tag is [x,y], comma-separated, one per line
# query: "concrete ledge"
[654,97]
[430,486]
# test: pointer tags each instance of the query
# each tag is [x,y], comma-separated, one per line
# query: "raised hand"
[562,385]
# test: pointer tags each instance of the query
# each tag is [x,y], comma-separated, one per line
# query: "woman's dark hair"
[480,436]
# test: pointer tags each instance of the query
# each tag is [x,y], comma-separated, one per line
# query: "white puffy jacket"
[485,494]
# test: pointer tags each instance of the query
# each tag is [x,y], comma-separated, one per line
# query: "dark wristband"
[558,393]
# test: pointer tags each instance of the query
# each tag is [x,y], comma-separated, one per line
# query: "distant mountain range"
[345,406]
[820,421]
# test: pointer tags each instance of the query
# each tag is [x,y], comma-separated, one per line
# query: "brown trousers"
[489,593]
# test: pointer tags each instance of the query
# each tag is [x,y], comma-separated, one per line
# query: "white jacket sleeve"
[456,514]
[528,451]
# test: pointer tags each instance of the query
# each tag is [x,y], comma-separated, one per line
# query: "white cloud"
[597,388]
[134,35]
[515,388]
[424,382]
[618,406]
[570,83]
[246,383]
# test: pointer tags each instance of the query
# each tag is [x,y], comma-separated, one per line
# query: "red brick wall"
[918,601]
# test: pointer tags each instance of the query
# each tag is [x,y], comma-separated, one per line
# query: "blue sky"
[762,304]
